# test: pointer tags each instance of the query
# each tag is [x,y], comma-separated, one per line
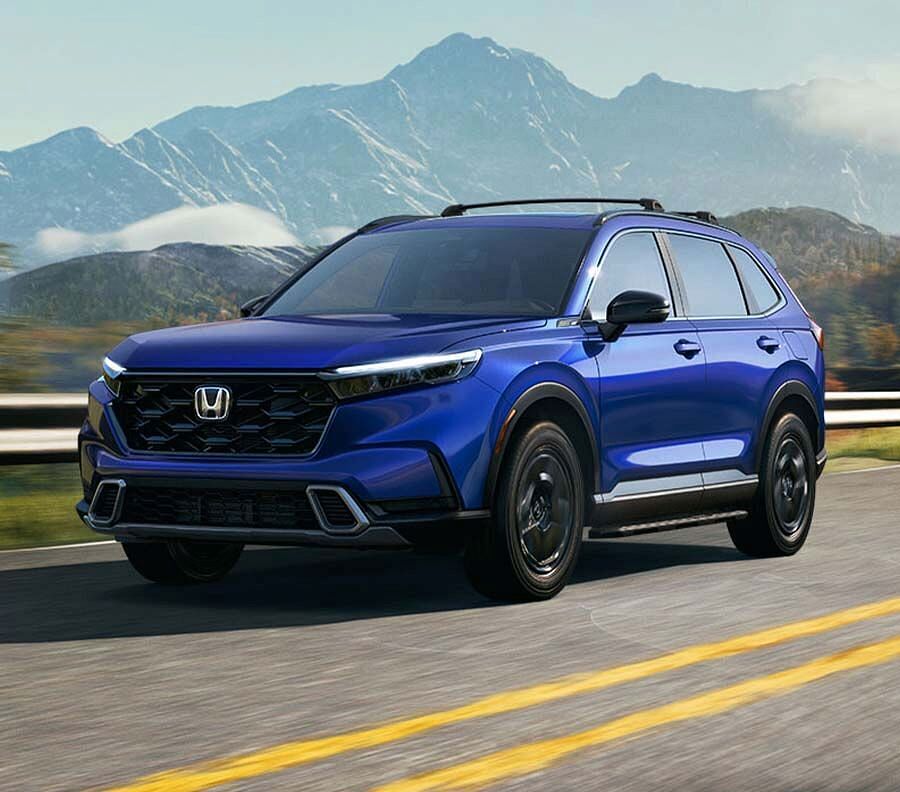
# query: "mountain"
[168,284]
[808,242]
[465,119]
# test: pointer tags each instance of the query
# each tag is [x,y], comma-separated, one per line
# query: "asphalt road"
[105,679]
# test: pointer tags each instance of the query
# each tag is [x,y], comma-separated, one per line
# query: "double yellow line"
[534,756]
[531,757]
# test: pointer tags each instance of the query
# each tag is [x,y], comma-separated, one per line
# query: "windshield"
[473,270]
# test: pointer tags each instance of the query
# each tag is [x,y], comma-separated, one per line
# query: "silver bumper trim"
[374,536]
[101,522]
[362,522]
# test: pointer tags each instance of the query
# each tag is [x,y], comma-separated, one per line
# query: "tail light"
[818,333]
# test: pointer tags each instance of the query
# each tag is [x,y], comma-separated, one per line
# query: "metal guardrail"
[43,427]
[856,410]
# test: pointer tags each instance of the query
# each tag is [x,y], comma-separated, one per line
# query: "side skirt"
[663,504]
[656,526]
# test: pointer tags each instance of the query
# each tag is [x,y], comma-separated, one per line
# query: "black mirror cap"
[637,307]
[249,307]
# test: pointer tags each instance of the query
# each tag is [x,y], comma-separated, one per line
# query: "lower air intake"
[219,507]
[336,510]
[106,503]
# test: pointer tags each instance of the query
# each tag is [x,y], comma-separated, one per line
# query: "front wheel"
[178,561]
[782,509]
[529,549]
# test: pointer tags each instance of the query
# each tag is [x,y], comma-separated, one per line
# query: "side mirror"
[249,307]
[633,307]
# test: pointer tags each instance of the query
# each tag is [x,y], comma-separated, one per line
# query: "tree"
[884,344]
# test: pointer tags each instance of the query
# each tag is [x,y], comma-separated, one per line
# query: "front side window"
[632,262]
[511,271]
[762,293]
[710,281]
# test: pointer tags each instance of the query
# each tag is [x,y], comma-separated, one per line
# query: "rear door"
[650,378]
[743,350]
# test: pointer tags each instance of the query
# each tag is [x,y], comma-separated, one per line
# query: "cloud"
[222,224]
[328,234]
[864,112]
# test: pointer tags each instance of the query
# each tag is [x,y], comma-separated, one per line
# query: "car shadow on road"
[279,588]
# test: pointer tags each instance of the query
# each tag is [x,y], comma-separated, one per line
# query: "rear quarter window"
[762,294]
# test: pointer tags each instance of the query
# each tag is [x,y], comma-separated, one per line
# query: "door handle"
[687,348]
[768,344]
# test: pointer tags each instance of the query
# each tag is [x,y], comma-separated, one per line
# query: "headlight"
[111,373]
[350,381]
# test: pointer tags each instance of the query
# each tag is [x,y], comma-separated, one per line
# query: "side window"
[633,262]
[762,293]
[711,284]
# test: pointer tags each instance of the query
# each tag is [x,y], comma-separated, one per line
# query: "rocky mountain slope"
[465,119]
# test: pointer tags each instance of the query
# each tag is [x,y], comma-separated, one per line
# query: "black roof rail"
[706,217]
[389,220]
[456,210]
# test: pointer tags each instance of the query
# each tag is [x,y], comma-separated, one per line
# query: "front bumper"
[413,464]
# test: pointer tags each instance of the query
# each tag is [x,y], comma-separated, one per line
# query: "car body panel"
[307,344]
[650,426]
[738,378]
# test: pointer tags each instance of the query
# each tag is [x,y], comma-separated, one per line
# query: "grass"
[854,449]
[37,502]
[37,506]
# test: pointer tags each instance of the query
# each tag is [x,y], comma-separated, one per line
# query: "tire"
[180,562]
[527,551]
[782,509]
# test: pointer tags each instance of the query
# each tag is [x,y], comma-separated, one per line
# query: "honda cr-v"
[508,384]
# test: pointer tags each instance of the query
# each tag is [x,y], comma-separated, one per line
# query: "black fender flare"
[543,390]
[784,391]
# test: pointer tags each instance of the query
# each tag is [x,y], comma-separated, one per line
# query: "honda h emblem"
[212,402]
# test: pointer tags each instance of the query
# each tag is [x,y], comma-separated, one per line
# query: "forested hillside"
[846,274]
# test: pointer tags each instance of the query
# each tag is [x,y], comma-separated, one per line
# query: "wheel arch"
[556,402]
[791,396]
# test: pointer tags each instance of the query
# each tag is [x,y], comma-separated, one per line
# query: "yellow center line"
[204,775]
[535,756]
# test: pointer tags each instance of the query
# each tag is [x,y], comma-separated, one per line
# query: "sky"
[120,66]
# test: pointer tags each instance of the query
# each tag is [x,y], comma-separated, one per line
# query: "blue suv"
[506,384]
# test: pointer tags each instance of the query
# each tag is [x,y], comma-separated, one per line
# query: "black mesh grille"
[105,504]
[218,507]
[284,417]
[335,510]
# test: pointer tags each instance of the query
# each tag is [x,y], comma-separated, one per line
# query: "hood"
[308,343]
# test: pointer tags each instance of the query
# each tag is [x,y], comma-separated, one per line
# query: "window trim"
[748,293]
[774,309]
[661,249]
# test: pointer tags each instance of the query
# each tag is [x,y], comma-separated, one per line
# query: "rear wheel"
[782,510]
[179,561]
[529,549]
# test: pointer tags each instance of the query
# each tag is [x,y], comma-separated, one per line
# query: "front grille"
[235,508]
[287,416]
